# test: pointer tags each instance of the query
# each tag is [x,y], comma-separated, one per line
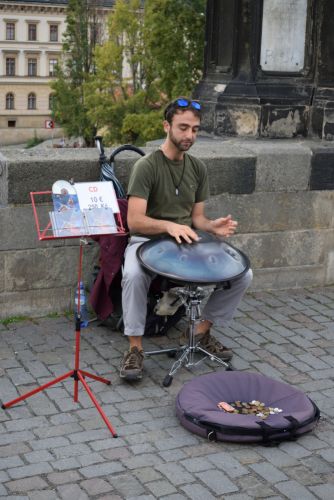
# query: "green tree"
[79,42]
[162,45]
[154,51]
[174,38]
[126,32]
[123,83]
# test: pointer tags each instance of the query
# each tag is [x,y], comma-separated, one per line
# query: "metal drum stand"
[191,296]
[210,261]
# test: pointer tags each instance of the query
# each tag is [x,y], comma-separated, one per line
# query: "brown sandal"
[209,343]
[213,346]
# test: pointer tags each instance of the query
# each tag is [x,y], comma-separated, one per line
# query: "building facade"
[31,34]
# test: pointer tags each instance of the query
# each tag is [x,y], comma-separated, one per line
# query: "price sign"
[96,195]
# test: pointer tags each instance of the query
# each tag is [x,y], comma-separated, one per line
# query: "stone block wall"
[281,193]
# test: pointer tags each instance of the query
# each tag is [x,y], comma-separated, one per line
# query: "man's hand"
[224,226]
[181,232]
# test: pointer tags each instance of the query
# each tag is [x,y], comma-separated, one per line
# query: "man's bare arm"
[223,226]
[139,222]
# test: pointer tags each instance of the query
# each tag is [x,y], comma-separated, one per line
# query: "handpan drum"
[209,260]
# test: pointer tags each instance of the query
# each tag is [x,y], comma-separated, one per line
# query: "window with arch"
[52,99]
[32,101]
[10,100]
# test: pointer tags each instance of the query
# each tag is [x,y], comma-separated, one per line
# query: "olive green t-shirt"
[157,179]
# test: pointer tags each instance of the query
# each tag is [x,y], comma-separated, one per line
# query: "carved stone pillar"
[268,68]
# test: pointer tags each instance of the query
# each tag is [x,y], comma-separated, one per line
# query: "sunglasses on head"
[185,103]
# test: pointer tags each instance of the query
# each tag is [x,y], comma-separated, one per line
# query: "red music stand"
[76,373]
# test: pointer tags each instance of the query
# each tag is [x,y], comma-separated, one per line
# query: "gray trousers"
[219,309]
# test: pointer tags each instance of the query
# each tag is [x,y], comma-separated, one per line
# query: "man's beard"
[180,145]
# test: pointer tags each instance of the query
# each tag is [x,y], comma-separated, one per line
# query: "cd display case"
[67,214]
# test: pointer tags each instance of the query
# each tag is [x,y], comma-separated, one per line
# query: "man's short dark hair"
[180,105]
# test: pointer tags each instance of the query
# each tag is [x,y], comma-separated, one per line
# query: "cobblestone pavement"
[51,447]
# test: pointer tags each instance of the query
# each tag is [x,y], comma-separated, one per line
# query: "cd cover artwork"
[64,197]
[67,223]
[63,187]
[100,221]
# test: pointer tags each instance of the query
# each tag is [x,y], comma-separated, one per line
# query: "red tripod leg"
[76,362]
[95,377]
[37,390]
[98,407]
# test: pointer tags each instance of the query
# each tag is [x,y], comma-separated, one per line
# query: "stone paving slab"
[54,448]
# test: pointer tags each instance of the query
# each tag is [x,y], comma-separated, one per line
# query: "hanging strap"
[293,427]
[266,433]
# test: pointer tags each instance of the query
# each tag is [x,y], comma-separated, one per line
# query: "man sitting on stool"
[166,195]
